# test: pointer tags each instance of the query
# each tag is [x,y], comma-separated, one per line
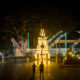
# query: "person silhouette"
[34,67]
[41,68]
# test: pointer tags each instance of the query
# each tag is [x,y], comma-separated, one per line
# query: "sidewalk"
[23,71]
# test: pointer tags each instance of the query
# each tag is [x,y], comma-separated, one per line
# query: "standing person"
[34,67]
[41,68]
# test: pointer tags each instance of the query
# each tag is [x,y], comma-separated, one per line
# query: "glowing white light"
[61,36]
[78,32]
[54,36]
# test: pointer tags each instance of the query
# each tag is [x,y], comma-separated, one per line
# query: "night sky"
[51,10]
[53,15]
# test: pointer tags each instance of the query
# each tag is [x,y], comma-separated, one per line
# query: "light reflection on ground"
[45,62]
[23,71]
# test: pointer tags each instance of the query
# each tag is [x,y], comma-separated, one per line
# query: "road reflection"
[23,71]
[45,62]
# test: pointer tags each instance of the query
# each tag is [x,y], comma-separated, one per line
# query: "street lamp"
[42,46]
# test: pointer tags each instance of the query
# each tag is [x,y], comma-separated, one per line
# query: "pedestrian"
[34,67]
[41,68]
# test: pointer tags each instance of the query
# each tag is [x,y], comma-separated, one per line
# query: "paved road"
[23,71]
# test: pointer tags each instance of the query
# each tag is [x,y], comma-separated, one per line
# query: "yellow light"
[78,56]
[65,58]
[42,51]
[45,62]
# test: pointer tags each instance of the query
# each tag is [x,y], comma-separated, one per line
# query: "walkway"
[23,71]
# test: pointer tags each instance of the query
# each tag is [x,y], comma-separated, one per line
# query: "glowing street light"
[42,46]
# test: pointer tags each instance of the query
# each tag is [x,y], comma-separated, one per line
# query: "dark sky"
[56,15]
[61,12]
[16,6]
[51,12]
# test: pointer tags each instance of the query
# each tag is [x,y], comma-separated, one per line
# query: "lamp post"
[28,41]
[42,46]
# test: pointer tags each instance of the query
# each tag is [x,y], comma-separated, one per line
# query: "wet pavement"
[23,71]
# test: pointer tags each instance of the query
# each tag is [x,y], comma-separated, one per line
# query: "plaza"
[23,71]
